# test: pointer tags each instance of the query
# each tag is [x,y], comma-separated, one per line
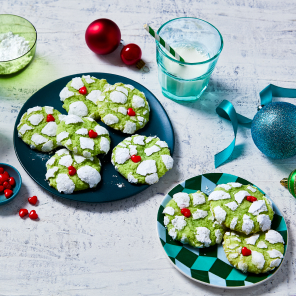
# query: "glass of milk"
[199,43]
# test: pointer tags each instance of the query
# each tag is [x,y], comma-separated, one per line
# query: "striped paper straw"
[163,43]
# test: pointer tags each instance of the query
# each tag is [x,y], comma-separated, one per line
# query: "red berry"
[8,193]
[3,178]
[33,200]
[131,112]
[50,118]
[83,90]
[72,170]
[136,158]
[11,181]
[6,185]
[186,212]
[130,54]
[92,134]
[1,188]
[33,215]
[246,251]
[1,170]
[23,212]
[251,198]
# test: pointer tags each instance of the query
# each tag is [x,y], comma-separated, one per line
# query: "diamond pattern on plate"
[210,265]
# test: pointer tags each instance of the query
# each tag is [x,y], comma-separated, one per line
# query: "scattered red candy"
[1,188]
[251,198]
[83,90]
[92,134]
[246,251]
[8,193]
[1,170]
[50,118]
[11,181]
[6,185]
[72,170]
[136,158]
[23,212]
[33,200]
[186,212]
[33,215]
[131,112]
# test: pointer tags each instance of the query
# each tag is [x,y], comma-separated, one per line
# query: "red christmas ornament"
[50,118]
[23,212]
[131,112]
[92,134]
[251,198]
[131,54]
[246,251]
[33,200]
[83,90]
[186,212]
[136,158]
[33,215]
[102,36]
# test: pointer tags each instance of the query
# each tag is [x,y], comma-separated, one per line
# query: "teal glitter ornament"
[273,127]
[274,130]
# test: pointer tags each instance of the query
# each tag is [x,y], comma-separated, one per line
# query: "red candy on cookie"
[136,158]
[251,198]
[246,251]
[186,212]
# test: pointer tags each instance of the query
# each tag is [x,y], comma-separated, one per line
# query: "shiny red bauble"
[131,54]
[102,36]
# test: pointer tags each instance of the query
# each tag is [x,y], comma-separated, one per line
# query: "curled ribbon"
[227,111]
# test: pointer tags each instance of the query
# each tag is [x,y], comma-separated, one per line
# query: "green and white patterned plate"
[209,265]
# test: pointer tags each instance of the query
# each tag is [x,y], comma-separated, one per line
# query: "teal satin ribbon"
[227,111]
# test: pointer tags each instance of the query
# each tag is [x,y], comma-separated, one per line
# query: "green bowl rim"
[31,46]
[20,185]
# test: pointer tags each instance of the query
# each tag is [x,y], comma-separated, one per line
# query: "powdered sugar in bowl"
[18,39]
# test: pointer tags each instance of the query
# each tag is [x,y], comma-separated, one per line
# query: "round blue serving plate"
[13,172]
[113,186]
[210,266]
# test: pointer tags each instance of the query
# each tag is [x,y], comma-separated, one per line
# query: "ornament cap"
[284,182]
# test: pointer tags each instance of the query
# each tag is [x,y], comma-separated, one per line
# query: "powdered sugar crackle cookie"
[257,253]
[81,95]
[68,172]
[141,159]
[38,128]
[123,108]
[83,136]
[241,207]
[188,219]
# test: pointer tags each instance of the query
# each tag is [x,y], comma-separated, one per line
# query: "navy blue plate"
[113,186]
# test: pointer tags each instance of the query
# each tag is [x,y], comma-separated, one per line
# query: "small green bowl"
[13,172]
[22,27]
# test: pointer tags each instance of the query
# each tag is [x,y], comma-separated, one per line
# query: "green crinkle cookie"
[73,133]
[230,207]
[155,159]
[36,131]
[87,172]
[79,104]
[199,229]
[267,249]
[113,108]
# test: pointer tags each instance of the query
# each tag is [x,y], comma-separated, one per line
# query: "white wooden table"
[112,248]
